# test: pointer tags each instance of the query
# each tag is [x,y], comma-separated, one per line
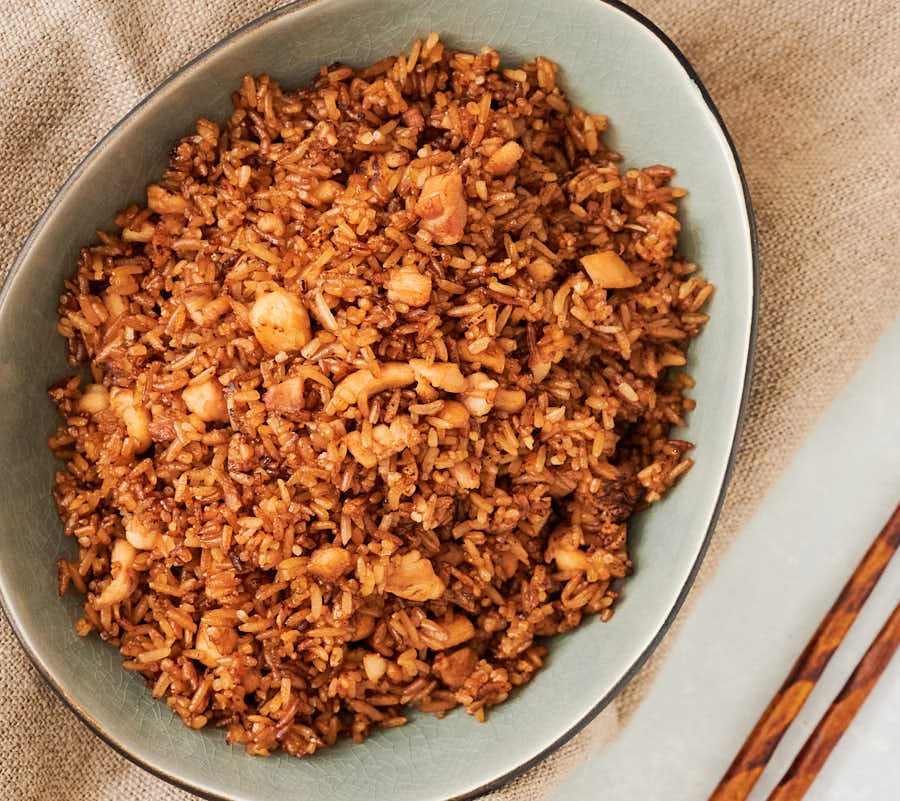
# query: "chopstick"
[757,749]
[804,769]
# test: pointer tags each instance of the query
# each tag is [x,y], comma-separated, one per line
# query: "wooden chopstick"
[756,751]
[840,714]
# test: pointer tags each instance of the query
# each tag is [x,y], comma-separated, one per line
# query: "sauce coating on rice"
[378,377]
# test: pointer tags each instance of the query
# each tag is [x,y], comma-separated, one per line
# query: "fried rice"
[371,387]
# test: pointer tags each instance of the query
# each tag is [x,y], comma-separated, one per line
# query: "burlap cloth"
[809,89]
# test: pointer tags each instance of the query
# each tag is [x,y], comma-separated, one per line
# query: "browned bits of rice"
[378,378]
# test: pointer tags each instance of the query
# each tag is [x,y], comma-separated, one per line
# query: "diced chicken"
[94,399]
[330,563]
[465,476]
[411,576]
[280,322]
[407,285]
[480,394]
[386,441]
[134,415]
[448,633]
[206,399]
[285,397]
[455,667]
[504,159]
[442,207]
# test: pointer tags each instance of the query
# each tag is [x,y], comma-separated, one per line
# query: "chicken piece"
[386,441]
[330,563]
[94,399]
[504,159]
[285,397]
[455,667]
[206,400]
[446,634]
[411,576]
[442,207]
[280,322]
[407,285]
[481,391]
[134,415]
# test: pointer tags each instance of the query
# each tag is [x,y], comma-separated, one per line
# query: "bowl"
[614,62]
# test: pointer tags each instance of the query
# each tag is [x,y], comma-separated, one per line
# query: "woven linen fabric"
[809,91]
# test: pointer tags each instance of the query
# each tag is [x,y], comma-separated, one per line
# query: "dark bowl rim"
[277,13]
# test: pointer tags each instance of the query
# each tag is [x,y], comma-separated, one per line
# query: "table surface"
[755,616]
[808,89]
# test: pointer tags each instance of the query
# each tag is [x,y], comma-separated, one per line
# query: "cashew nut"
[124,579]
[608,270]
[441,375]
[140,535]
[386,441]
[363,383]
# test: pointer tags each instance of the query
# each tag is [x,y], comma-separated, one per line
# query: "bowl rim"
[299,6]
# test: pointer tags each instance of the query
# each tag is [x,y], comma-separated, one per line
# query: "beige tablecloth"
[809,89]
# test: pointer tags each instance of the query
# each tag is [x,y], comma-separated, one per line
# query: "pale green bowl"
[613,62]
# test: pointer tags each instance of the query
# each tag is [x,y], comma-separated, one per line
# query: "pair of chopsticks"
[750,761]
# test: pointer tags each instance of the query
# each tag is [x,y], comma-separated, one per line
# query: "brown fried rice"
[375,381]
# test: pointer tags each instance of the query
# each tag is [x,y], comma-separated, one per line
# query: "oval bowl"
[613,62]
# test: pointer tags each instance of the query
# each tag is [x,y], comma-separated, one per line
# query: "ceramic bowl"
[614,62]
